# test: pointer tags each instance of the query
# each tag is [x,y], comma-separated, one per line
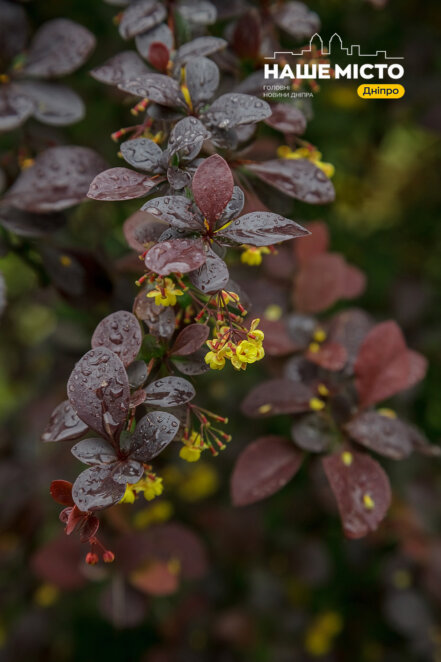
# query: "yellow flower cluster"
[311,154]
[193,447]
[165,293]
[150,485]
[247,351]
[252,255]
[319,636]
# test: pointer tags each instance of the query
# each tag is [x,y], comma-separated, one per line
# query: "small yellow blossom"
[319,335]
[165,295]
[193,447]
[311,154]
[368,502]
[323,390]
[249,352]
[151,486]
[252,255]
[389,413]
[201,483]
[273,313]
[347,458]
[161,511]
[215,360]
[314,348]
[316,404]
[319,636]
[265,409]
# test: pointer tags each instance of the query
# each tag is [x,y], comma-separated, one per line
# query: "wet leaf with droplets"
[95,489]
[231,110]
[142,153]
[64,424]
[383,434]
[212,276]
[199,47]
[159,34]
[262,228]
[153,433]
[121,333]
[120,68]
[140,17]
[99,392]
[158,88]
[213,187]
[121,184]
[54,104]
[190,339]
[176,256]
[176,210]
[277,396]
[186,139]
[169,392]
[263,468]
[94,452]
[298,178]
[202,79]
[312,433]
[287,118]
[361,489]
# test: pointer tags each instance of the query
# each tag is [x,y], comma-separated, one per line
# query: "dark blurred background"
[282,583]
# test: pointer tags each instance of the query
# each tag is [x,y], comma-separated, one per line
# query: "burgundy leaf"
[193,364]
[120,68]
[277,396]
[233,207]
[212,276]
[169,392]
[157,88]
[121,333]
[58,48]
[349,329]
[320,283]
[380,433]
[127,471]
[213,187]
[247,35]
[64,424]
[142,153]
[88,528]
[15,107]
[60,562]
[202,79]
[298,178]
[160,320]
[199,47]
[159,34]
[159,56]
[61,492]
[141,16]
[382,367]
[141,229]
[59,178]
[98,390]
[331,356]
[95,489]
[175,210]
[176,256]
[417,367]
[152,434]
[355,282]
[277,341]
[312,433]
[287,119]
[231,110]
[190,339]
[94,452]
[156,578]
[120,184]
[296,19]
[263,468]
[361,489]
[262,228]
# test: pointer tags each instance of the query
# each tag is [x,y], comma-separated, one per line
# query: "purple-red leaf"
[287,119]
[64,424]
[120,68]
[331,356]
[160,34]
[262,228]
[213,187]
[202,79]
[158,56]
[58,48]
[59,178]
[54,104]
[277,396]
[190,339]
[152,434]
[121,333]
[175,210]
[120,184]
[141,16]
[320,283]
[159,88]
[263,468]
[176,256]
[98,390]
[231,110]
[142,153]
[382,367]
[380,433]
[169,392]
[95,489]
[212,276]
[201,46]
[61,492]
[94,452]
[361,489]
[312,433]
[298,178]
[15,107]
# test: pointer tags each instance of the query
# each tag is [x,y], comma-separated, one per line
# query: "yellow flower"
[151,486]
[215,360]
[165,295]
[201,483]
[316,404]
[157,512]
[311,154]
[252,255]
[273,313]
[190,453]
[248,351]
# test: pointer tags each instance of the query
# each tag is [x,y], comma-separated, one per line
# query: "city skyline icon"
[335,40]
